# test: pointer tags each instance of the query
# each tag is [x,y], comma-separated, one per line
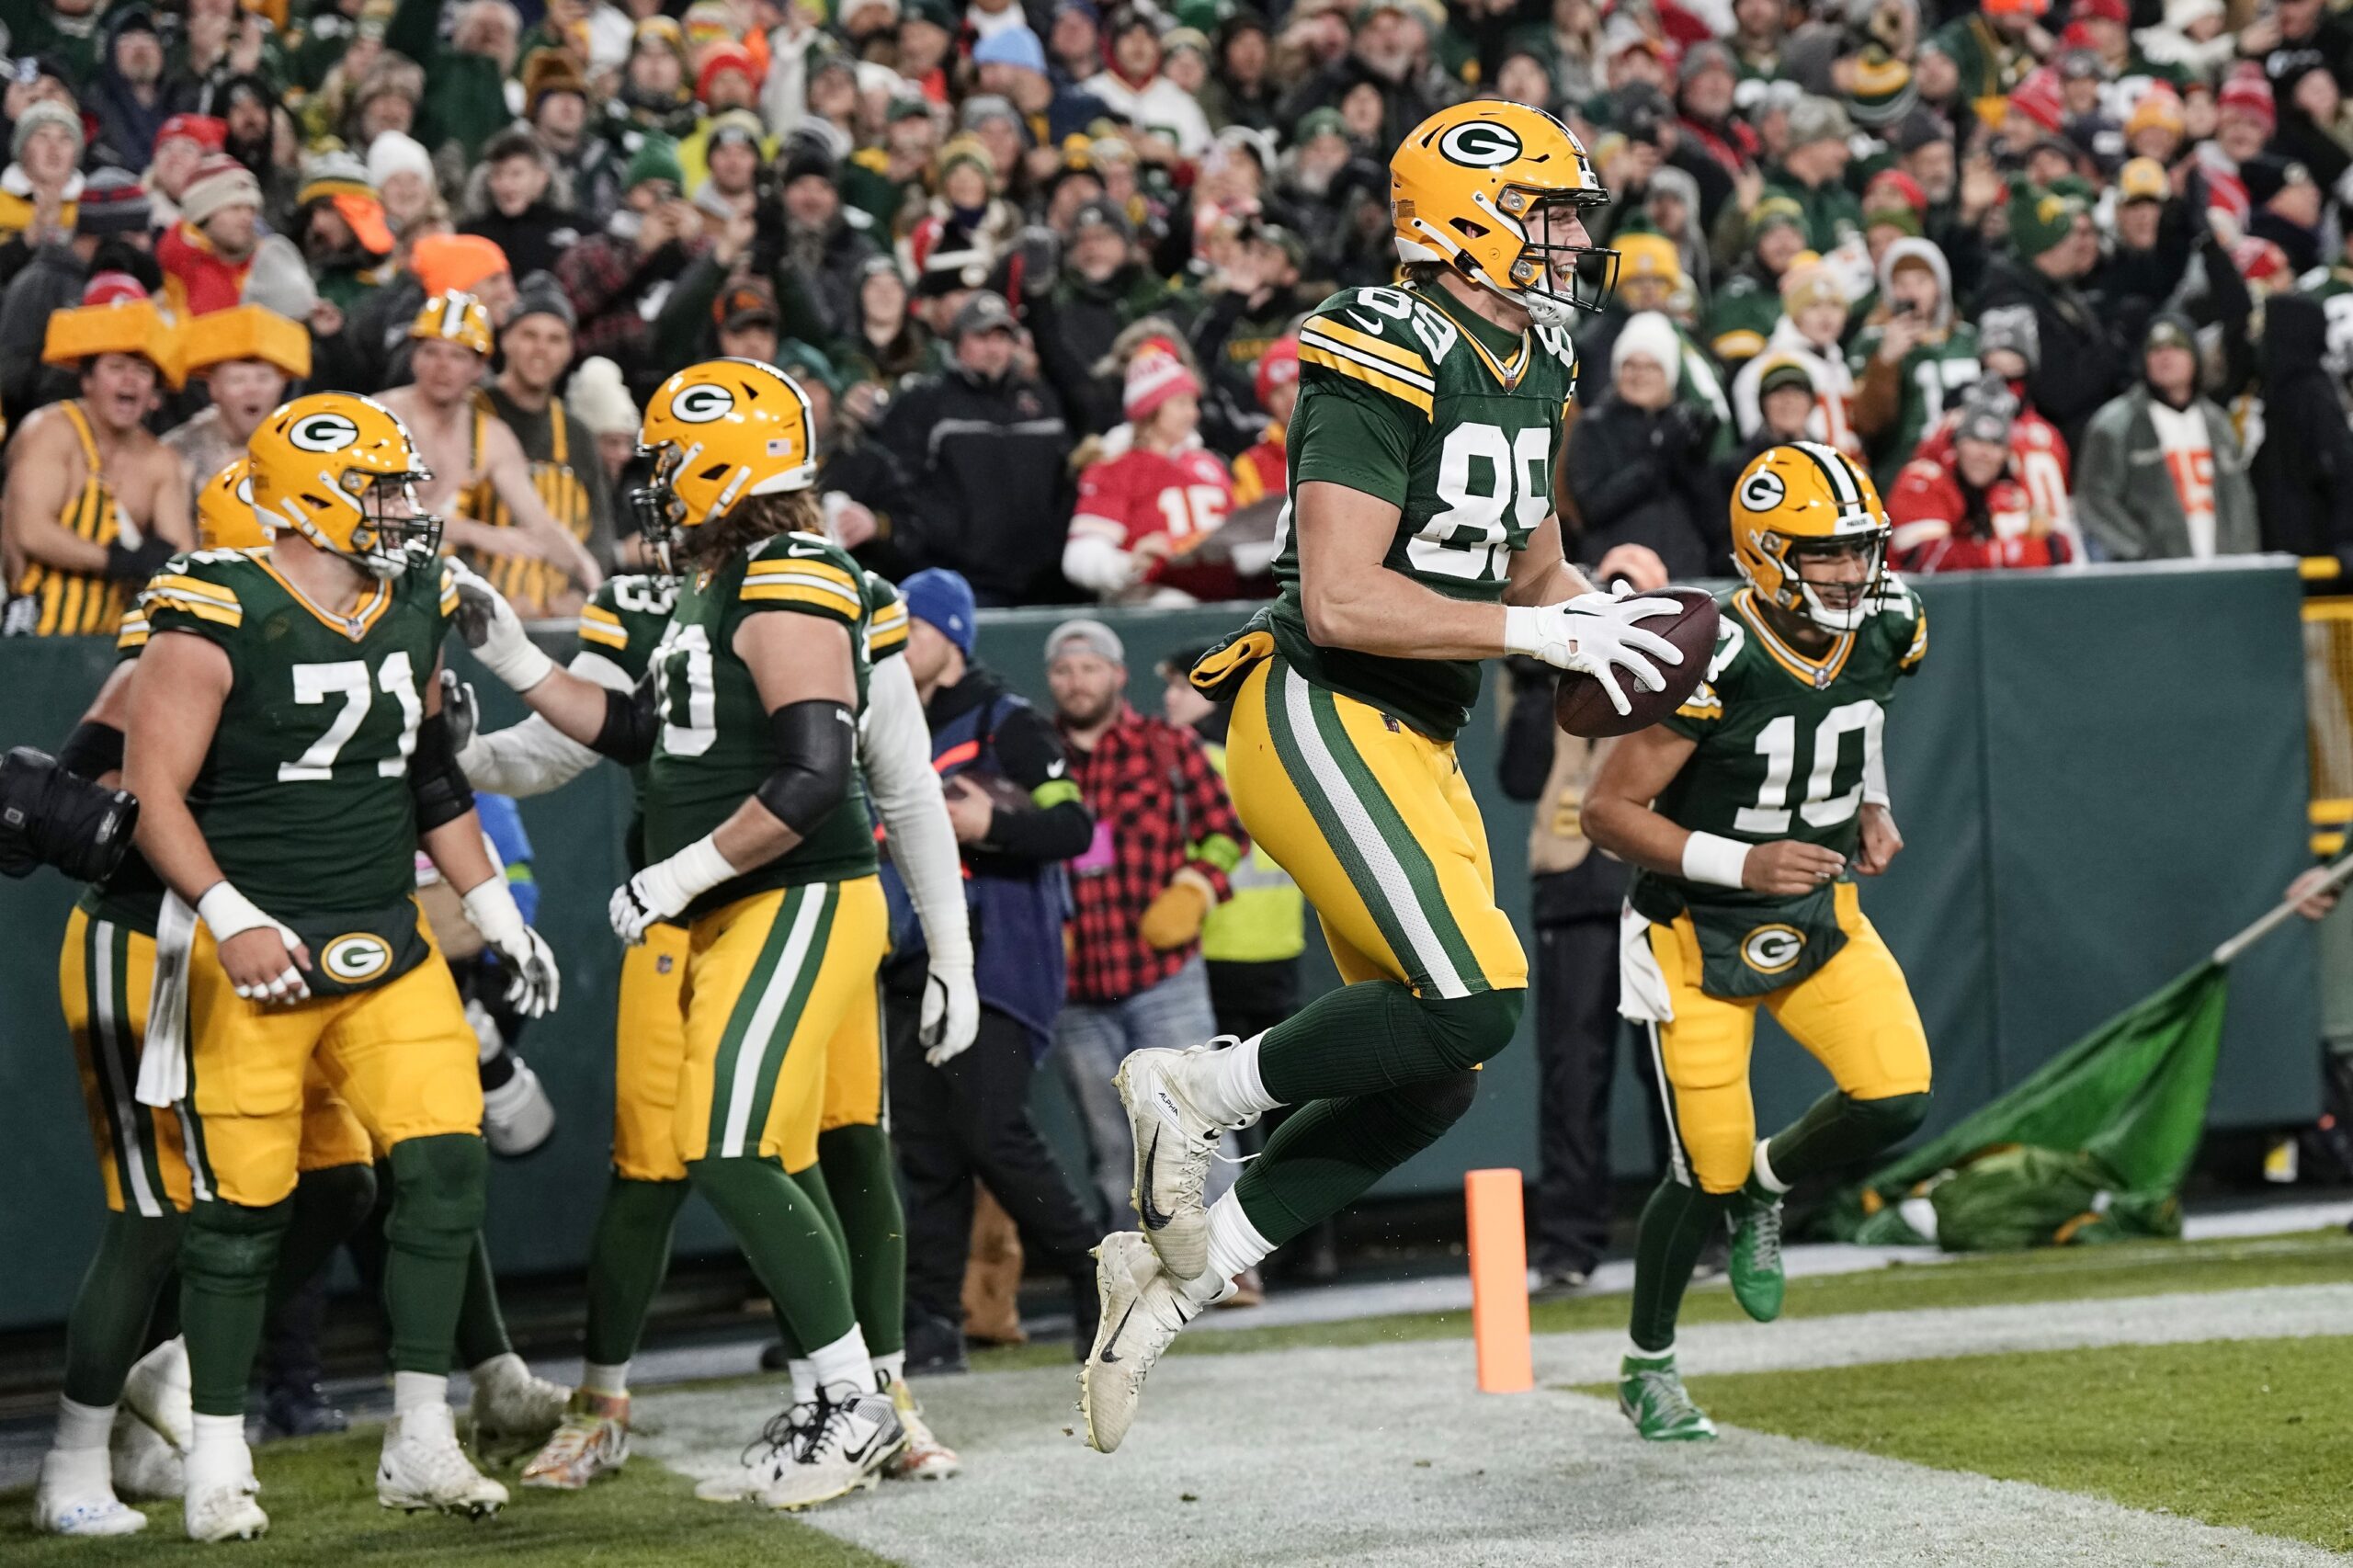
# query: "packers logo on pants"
[356,958]
[1771,950]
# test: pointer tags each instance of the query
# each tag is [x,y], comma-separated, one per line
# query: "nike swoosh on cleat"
[1110,1355]
[1154,1218]
[858,1455]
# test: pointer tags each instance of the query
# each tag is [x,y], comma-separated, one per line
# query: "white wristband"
[521,666]
[696,869]
[1524,630]
[227,913]
[491,910]
[1709,859]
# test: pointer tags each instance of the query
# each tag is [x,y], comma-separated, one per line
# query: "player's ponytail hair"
[744,524]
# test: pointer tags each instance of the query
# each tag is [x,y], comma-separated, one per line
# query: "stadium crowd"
[2073,285]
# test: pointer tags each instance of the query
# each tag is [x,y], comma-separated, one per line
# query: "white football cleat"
[156,1391]
[593,1440]
[512,1411]
[423,1467]
[145,1465]
[219,1503]
[844,1444]
[1174,1142]
[76,1497]
[1144,1308]
[517,1115]
[763,1459]
[924,1458]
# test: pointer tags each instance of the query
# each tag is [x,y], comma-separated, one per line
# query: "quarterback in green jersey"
[286,741]
[758,841]
[1743,815]
[1419,540]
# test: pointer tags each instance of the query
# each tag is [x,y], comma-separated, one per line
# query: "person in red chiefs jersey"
[1145,512]
[1965,510]
[1263,469]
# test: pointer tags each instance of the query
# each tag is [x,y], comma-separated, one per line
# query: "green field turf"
[322,1500]
[2059,1274]
[2252,1433]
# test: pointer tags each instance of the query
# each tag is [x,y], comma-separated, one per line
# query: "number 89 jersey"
[714,749]
[1408,395]
[1782,738]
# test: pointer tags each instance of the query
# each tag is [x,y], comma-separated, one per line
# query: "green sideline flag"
[2105,1130]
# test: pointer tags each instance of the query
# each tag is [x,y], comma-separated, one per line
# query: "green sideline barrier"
[2098,774]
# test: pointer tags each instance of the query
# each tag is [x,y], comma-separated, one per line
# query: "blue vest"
[1016,909]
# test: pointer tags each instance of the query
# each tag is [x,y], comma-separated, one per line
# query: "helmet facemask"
[1550,280]
[655,503]
[1839,605]
[394,533]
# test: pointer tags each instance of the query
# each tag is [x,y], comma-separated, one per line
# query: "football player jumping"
[755,842]
[286,744]
[1743,815]
[1419,540]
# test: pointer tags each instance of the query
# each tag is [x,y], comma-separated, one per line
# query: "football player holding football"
[1747,815]
[1419,540]
[285,741]
[756,844]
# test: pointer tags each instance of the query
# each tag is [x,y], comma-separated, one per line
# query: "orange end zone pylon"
[1499,1282]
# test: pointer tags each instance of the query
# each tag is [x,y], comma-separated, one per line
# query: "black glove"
[50,817]
[141,563]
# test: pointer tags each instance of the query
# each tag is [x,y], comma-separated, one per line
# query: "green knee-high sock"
[785,1240]
[327,1206]
[1376,1035]
[627,1261]
[864,1181]
[1676,1223]
[481,1327]
[1836,1130]
[437,1188]
[226,1259]
[107,1330]
[1327,1152]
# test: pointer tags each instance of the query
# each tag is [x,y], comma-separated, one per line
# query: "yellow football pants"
[1376,824]
[1855,1015]
[773,980]
[400,1055]
[649,1052]
[105,973]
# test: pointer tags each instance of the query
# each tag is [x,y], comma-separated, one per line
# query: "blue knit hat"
[1012,46]
[942,599]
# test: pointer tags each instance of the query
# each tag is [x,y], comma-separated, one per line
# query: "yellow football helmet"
[459,318]
[1802,498]
[716,433]
[225,519]
[1477,185]
[341,471]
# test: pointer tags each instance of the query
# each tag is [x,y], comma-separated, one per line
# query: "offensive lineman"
[756,843]
[286,747]
[1741,814]
[1419,540]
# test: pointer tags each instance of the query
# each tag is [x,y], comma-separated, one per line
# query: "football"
[1581,706]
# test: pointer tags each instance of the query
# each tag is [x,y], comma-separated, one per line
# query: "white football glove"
[951,1012]
[534,982]
[495,633]
[663,890]
[1594,634]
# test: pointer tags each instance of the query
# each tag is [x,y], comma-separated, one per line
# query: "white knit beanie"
[395,152]
[1648,331]
[598,396]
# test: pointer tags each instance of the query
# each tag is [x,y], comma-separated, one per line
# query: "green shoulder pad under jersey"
[1783,737]
[714,750]
[305,796]
[1408,395]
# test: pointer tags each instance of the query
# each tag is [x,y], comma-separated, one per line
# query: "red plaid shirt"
[1159,809]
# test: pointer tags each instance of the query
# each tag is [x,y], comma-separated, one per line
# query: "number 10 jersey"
[1407,395]
[1785,741]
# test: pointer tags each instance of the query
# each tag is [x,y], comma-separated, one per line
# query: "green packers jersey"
[622,624]
[305,796]
[1742,317]
[2332,287]
[133,896]
[1932,377]
[1404,393]
[1782,739]
[714,748]
[886,619]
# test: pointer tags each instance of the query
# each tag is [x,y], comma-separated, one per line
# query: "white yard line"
[1383,1455]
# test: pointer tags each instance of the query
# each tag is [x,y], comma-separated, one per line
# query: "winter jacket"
[2303,471]
[1942,523]
[1639,476]
[465,94]
[533,239]
[989,487]
[2081,364]
[610,280]
[198,280]
[2125,494]
[126,127]
[1834,388]
[1073,322]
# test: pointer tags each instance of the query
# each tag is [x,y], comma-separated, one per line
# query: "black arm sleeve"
[434,780]
[631,721]
[92,749]
[817,740]
[1032,754]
